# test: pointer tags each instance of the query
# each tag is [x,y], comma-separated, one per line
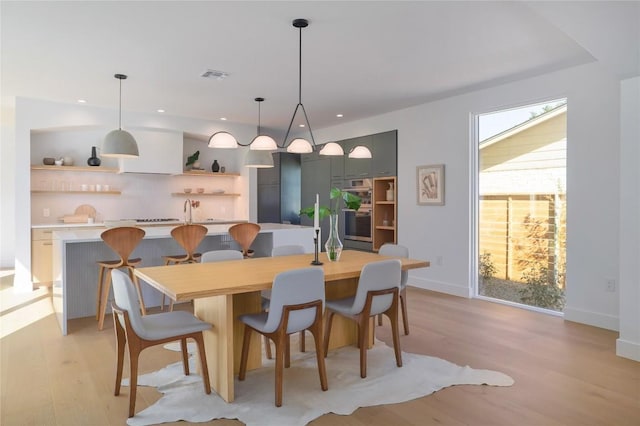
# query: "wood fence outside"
[505,232]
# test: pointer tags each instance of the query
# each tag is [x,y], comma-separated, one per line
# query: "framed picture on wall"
[430,185]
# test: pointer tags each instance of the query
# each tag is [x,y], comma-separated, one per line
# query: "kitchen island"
[75,252]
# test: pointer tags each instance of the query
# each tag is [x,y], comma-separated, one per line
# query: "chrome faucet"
[187,219]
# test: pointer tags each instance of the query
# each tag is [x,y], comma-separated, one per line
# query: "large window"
[521,221]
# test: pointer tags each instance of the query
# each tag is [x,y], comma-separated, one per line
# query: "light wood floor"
[565,373]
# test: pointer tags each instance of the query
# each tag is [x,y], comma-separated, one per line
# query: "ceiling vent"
[215,74]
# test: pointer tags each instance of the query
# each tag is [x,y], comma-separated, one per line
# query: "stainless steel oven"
[357,223]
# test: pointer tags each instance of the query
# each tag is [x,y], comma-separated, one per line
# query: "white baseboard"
[441,287]
[627,349]
[595,319]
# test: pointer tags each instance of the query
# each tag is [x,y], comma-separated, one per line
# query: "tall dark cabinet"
[279,190]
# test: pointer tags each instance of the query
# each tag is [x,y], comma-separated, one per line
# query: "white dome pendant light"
[119,143]
[262,142]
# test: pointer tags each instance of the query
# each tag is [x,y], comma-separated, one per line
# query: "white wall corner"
[627,349]
[596,319]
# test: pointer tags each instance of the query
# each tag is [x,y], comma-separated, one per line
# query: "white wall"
[628,345]
[439,132]
[33,115]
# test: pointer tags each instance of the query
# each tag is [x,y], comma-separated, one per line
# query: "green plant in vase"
[192,161]
[337,197]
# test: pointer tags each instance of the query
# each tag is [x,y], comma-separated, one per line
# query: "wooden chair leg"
[363,328]
[245,353]
[134,355]
[99,291]
[403,306]
[199,338]
[185,356]
[281,344]
[287,352]
[302,341]
[327,330]
[121,340]
[393,317]
[322,371]
[267,347]
[170,305]
[106,286]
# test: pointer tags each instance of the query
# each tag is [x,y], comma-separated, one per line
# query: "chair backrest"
[396,250]
[220,255]
[380,275]
[189,237]
[287,250]
[244,234]
[123,240]
[126,298]
[295,287]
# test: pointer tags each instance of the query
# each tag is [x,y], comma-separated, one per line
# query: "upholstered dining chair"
[140,332]
[377,293]
[221,255]
[122,240]
[397,250]
[297,301]
[189,237]
[284,250]
[244,234]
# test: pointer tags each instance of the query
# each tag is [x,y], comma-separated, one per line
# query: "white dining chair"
[140,332]
[221,255]
[377,293]
[297,303]
[284,250]
[397,250]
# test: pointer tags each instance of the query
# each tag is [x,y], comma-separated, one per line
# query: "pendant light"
[259,154]
[297,145]
[119,143]
[258,159]
[262,142]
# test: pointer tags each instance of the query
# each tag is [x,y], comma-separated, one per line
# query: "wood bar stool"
[122,240]
[189,237]
[244,234]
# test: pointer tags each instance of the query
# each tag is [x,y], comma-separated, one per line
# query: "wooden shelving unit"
[94,169]
[207,174]
[203,194]
[385,212]
[38,191]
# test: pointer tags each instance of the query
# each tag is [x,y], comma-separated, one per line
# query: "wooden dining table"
[222,291]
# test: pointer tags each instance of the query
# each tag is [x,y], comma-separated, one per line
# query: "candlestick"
[315,245]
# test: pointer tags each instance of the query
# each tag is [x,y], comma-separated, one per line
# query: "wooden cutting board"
[87,209]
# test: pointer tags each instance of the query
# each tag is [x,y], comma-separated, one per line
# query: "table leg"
[223,342]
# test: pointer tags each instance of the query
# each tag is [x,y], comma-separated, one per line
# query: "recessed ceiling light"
[339,115]
[160,110]
[82,101]
[223,118]
[300,125]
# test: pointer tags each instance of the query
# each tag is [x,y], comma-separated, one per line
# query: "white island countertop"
[77,248]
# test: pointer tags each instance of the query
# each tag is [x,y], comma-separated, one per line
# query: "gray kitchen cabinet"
[357,167]
[384,152]
[316,179]
[279,190]
[337,166]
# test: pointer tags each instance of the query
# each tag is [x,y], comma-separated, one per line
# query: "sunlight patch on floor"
[19,309]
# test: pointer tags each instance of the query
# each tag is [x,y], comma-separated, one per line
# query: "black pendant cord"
[120,108]
[259,101]
[300,24]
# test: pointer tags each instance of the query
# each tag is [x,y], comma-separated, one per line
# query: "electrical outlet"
[439,260]
[46,212]
[611,285]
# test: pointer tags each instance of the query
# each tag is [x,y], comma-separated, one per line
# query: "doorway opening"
[521,205]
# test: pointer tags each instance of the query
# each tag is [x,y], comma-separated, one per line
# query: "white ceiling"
[359,58]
